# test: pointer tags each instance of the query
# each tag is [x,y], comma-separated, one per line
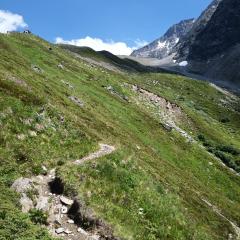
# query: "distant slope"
[124,64]
[164,46]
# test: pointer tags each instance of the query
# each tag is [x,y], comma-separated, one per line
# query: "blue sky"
[111,21]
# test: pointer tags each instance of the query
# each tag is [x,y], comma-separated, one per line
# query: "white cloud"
[117,48]
[10,21]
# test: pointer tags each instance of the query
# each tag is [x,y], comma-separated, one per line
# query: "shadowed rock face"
[163,46]
[183,47]
[215,53]
[220,34]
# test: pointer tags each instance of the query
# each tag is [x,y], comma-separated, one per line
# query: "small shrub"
[60,162]
[225,120]
[229,149]
[38,216]
[201,138]
[3,214]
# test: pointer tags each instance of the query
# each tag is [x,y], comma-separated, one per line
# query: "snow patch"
[161,44]
[183,64]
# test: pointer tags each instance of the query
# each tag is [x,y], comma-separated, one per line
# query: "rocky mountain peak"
[163,46]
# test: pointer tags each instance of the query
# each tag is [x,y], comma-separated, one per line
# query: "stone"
[26,203]
[21,185]
[21,137]
[66,201]
[59,230]
[37,69]
[70,221]
[60,66]
[83,232]
[77,101]
[67,231]
[43,203]
[32,134]
[64,210]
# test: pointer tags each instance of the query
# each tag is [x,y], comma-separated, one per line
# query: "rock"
[32,134]
[66,201]
[60,66]
[26,203]
[64,209]
[67,231]
[83,232]
[44,168]
[21,137]
[167,127]
[77,101]
[21,185]
[37,69]
[59,230]
[70,221]
[42,203]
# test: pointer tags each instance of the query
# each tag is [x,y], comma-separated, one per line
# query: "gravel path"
[103,151]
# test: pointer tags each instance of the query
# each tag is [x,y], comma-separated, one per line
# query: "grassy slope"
[152,169]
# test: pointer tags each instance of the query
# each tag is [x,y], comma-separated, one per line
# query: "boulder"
[43,203]
[26,203]
[66,201]
[59,230]
[21,185]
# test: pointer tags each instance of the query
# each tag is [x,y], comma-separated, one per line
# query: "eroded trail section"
[103,151]
[219,213]
[170,114]
[68,218]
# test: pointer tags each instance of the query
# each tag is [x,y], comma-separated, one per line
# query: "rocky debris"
[77,101]
[104,150]
[37,69]
[67,218]
[114,92]
[169,113]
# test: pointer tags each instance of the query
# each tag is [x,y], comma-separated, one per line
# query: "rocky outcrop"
[215,52]
[183,47]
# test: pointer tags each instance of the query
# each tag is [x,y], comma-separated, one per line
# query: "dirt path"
[104,150]
[49,199]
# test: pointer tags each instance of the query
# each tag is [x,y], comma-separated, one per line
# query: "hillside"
[158,173]
[110,61]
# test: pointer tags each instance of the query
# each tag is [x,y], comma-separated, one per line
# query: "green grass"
[151,169]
